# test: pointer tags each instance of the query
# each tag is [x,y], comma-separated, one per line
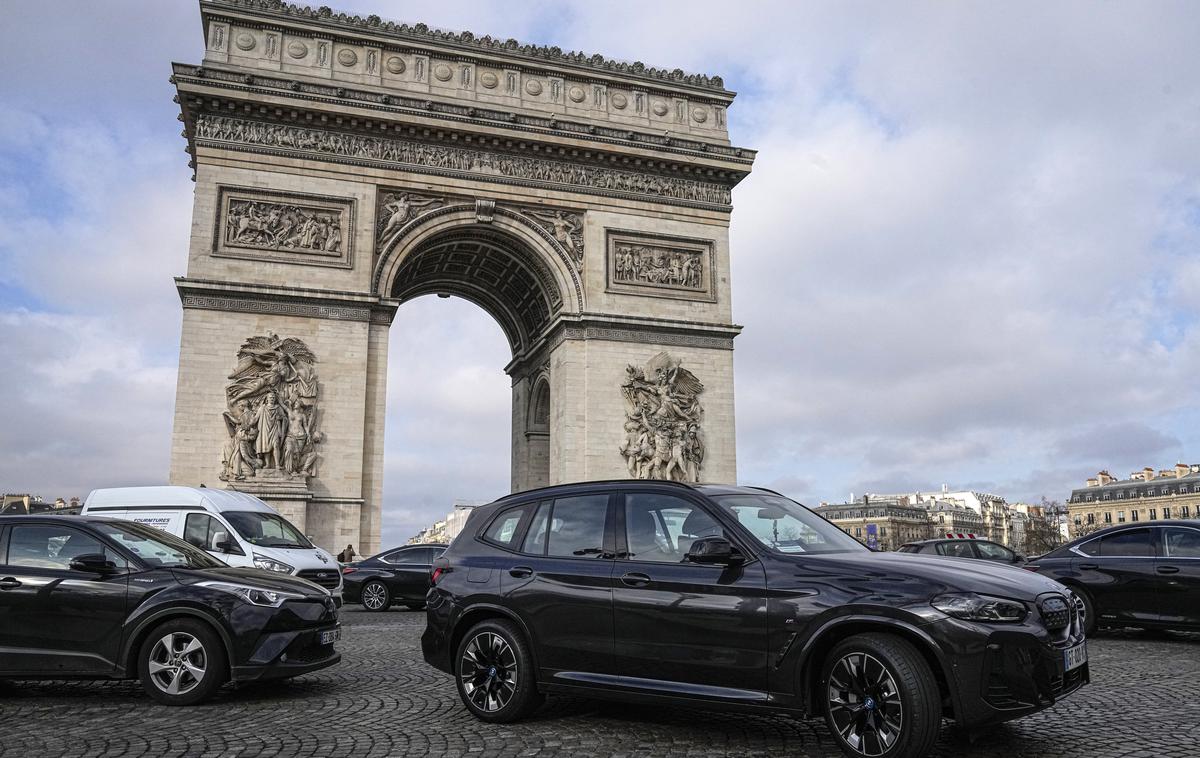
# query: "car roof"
[935,540]
[704,488]
[414,545]
[216,500]
[52,518]
[1193,523]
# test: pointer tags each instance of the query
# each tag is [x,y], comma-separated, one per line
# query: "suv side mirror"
[95,563]
[1018,558]
[713,550]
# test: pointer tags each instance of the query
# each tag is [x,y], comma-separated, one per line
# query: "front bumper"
[286,654]
[1000,673]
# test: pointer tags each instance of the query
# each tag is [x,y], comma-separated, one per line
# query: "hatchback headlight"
[254,595]
[270,564]
[972,607]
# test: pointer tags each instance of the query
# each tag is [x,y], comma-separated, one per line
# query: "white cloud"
[966,253]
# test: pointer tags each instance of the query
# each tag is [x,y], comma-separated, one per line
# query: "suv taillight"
[436,574]
[349,570]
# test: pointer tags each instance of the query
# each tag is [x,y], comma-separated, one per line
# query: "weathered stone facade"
[346,165]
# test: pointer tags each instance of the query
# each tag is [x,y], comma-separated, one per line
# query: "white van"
[237,528]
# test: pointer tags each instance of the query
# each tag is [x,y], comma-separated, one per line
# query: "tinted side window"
[50,547]
[1181,543]
[503,529]
[1091,547]
[994,552]
[201,530]
[535,538]
[956,549]
[406,557]
[577,526]
[662,528]
[1135,543]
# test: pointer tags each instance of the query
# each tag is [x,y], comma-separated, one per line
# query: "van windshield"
[155,548]
[266,529]
[784,525]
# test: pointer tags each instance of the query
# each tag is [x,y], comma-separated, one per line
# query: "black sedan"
[96,598]
[1144,575]
[964,547]
[400,575]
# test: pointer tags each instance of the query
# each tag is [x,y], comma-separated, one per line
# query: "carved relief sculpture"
[663,421]
[398,208]
[280,226]
[271,412]
[440,158]
[652,264]
[567,229]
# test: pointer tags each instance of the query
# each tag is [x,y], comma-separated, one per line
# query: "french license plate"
[333,635]
[1075,657]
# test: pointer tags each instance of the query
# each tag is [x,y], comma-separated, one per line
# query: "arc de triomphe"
[346,165]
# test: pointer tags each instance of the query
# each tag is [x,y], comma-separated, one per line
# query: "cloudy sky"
[967,253]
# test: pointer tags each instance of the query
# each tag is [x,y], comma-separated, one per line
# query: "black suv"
[738,597]
[96,598]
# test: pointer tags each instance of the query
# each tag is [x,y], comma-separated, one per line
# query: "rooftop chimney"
[1147,473]
[1104,478]
[1181,470]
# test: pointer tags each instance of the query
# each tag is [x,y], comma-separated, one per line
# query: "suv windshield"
[155,548]
[786,526]
[266,529]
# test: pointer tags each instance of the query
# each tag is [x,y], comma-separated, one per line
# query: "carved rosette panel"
[646,264]
[664,437]
[284,227]
[565,226]
[396,208]
[271,413]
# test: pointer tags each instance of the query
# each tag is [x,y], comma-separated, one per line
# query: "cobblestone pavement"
[382,700]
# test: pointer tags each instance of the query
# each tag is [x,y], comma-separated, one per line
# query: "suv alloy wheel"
[182,662]
[495,672]
[879,697]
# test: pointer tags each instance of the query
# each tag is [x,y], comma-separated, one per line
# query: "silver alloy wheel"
[374,596]
[177,663]
[864,704]
[488,671]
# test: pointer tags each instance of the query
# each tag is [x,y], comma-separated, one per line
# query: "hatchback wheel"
[880,697]
[182,662]
[495,673]
[375,596]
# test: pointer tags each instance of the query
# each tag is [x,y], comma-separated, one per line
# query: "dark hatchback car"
[96,598]
[1143,575]
[736,597]
[400,575]
[964,547]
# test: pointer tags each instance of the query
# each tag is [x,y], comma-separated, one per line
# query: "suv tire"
[495,674]
[182,662]
[1090,621]
[376,597]
[880,698]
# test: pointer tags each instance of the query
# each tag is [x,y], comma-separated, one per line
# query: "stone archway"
[345,165]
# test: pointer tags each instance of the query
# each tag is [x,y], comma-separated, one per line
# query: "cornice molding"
[209,295]
[468,113]
[423,34]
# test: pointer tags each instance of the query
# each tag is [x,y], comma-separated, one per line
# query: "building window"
[1153,514]
[882,531]
[1108,517]
[1078,520]
[1120,517]
[1091,519]
[1167,511]
[1133,515]
[858,531]
[1184,512]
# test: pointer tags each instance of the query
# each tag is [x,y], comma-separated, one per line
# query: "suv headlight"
[972,607]
[270,564]
[254,595]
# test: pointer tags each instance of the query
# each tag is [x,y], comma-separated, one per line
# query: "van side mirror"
[222,544]
[95,563]
[713,550]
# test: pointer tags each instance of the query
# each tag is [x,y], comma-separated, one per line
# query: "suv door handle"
[1168,569]
[635,580]
[1089,566]
[9,583]
[520,572]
